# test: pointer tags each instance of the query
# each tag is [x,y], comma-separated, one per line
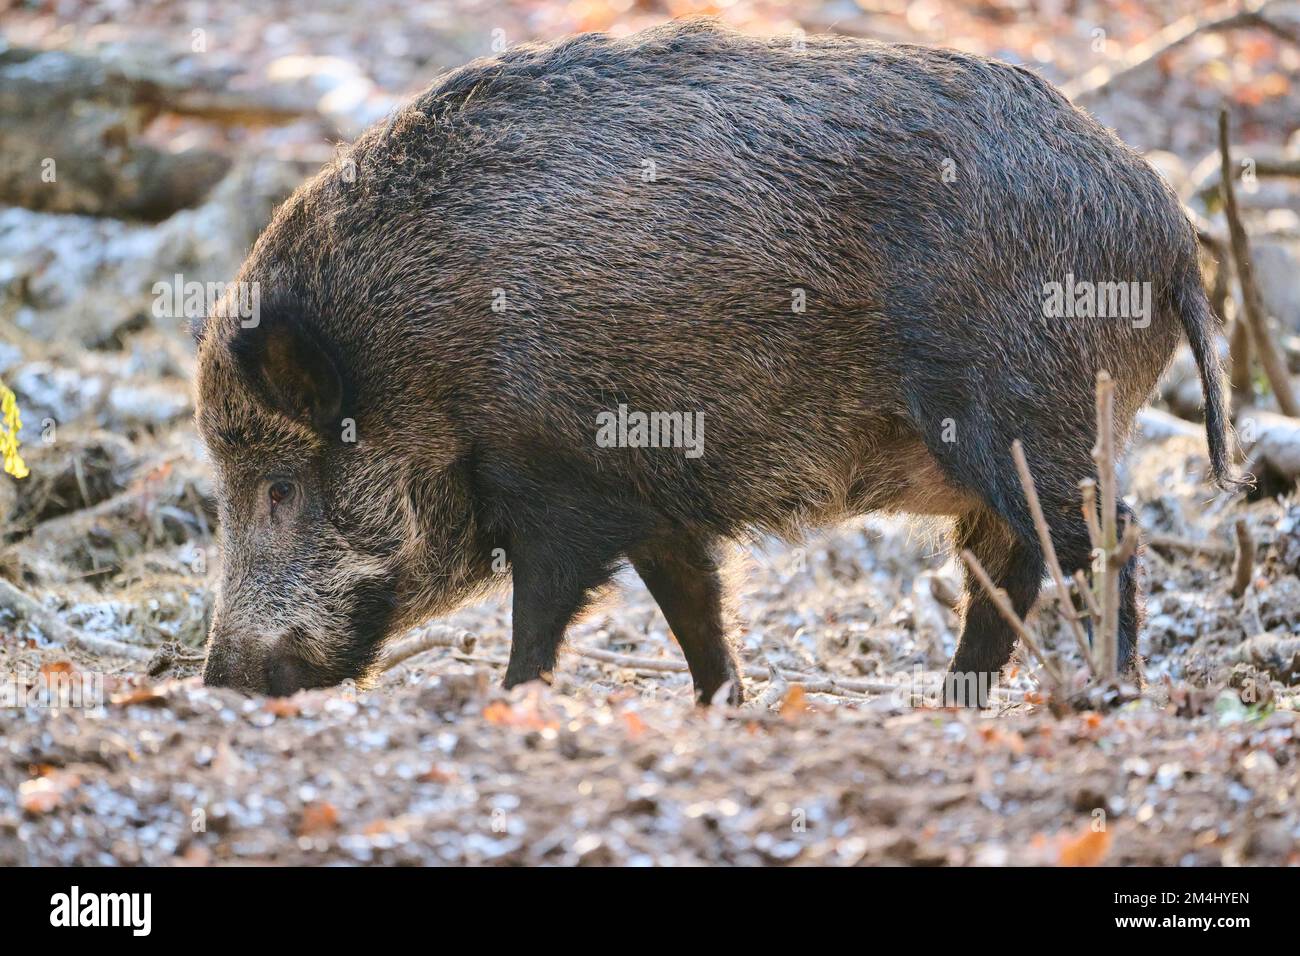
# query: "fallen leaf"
[282,706]
[1003,738]
[635,725]
[145,694]
[45,793]
[795,703]
[318,818]
[57,667]
[436,774]
[1087,849]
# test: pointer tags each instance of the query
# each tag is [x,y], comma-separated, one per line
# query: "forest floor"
[114,534]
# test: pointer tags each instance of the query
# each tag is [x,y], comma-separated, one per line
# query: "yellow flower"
[10,425]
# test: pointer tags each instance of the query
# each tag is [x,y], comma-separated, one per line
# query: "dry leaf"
[795,703]
[282,706]
[318,818]
[1087,849]
[144,694]
[45,793]
[635,725]
[436,774]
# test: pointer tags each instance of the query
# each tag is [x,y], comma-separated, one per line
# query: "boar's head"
[337,529]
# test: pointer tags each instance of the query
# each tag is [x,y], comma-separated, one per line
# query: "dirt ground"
[114,533]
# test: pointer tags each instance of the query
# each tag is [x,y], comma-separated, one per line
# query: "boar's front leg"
[685,581]
[554,576]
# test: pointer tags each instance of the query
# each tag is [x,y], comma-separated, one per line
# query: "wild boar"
[622,300]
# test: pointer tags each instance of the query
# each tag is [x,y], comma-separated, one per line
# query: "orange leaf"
[317,818]
[635,725]
[57,667]
[144,694]
[795,703]
[436,774]
[282,706]
[1087,849]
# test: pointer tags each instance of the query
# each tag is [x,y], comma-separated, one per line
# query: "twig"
[1244,566]
[1049,553]
[1103,455]
[435,635]
[24,605]
[1274,367]
[812,683]
[773,694]
[1088,490]
[1169,542]
[1090,599]
[1128,544]
[1003,604]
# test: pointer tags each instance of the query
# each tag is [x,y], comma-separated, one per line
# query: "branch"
[1003,604]
[1049,553]
[1245,562]
[430,637]
[1274,367]
[1103,455]
[1170,542]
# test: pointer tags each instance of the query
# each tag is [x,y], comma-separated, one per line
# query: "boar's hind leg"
[986,642]
[683,577]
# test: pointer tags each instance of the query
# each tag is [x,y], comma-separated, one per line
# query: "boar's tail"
[1199,323]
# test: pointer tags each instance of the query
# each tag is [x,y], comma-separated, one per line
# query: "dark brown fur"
[775,169]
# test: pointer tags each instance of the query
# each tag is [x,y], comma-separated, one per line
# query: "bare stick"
[1169,542]
[752,671]
[812,684]
[427,639]
[1103,455]
[1244,567]
[1090,599]
[55,630]
[1128,544]
[1088,489]
[1049,553]
[1003,604]
[1253,306]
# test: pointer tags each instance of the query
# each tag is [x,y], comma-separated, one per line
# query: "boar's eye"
[280,491]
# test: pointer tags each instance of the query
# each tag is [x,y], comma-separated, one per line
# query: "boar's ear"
[293,372]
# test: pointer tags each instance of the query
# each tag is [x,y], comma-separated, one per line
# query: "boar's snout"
[276,672]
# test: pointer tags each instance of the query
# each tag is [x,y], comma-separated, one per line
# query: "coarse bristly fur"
[542,237]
